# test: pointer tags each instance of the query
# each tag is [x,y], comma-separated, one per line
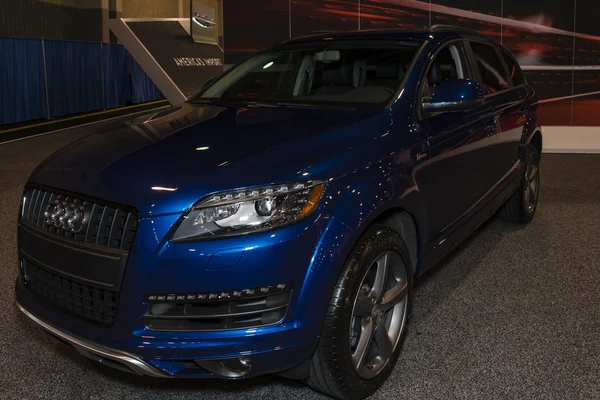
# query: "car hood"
[165,162]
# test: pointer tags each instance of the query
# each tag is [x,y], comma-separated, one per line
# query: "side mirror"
[455,95]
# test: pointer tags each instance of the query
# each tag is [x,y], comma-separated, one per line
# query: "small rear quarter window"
[513,69]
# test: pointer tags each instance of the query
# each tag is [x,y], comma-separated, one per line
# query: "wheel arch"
[397,203]
[405,224]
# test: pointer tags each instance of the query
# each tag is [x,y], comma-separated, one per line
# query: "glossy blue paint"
[448,172]
[463,94]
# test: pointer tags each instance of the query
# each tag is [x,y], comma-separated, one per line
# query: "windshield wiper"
[312,105]
[219,101]
[277,104]
[297,105]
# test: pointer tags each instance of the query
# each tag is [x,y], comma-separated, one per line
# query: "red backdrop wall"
[557,42]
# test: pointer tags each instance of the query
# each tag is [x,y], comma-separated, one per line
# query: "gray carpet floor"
[512,314]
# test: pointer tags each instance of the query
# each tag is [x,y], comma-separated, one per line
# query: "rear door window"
[491,68]
[513,69]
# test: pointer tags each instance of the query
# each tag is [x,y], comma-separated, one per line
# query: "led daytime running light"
[257,194]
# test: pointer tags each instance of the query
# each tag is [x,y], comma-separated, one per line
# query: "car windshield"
[346,73]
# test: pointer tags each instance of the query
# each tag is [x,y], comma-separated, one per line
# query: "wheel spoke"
[394,296]
[527,195]
[364,306]
[381,275]
[383,341]
[359,357]
[533,172]
[531,195]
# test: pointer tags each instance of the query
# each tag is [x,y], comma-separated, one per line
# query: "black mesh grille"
[91,303]
[106,226]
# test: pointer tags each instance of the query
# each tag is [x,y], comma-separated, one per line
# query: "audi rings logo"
[66,216]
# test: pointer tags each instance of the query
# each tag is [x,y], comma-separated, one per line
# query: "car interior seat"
[343,78]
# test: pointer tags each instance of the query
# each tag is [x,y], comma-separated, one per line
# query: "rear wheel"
[366,319]
[521,207]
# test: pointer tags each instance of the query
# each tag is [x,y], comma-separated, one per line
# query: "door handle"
[490,127]
[523,112]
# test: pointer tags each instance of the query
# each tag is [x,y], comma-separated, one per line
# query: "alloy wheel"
[379,314]
[532,183]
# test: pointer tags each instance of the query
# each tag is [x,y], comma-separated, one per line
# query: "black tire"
[331,369]
[518,208]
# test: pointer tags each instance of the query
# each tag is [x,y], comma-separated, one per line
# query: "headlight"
[249,210]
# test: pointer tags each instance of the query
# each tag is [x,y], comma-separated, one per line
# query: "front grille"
[85,301]
[219,311]
[106,226]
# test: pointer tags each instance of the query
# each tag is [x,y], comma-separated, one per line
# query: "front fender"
[352,204]
[378,191]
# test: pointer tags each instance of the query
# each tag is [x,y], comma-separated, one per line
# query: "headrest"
[338,76]
[389,71]
[435,74]
[386,71]
[355,74]
[359,73]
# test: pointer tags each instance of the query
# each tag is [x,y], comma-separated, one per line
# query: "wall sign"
[165,49]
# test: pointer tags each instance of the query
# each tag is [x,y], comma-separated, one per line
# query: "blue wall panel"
[117,86]
[143,89]
[74,77]
[22,86]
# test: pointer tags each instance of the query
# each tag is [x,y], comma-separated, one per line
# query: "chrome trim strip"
[135,363]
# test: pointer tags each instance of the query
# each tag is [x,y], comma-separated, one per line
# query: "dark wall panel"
[551,84]
[585,108]
[246,34]
[587,54]
[556,112]
[587,17]
[376,14]
[539,33]
[587,25]
[317,15]
[480,15]
[540,48]
[38,19]
[557,42]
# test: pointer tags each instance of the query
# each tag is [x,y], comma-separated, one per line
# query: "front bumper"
[274,360]
[131,346]
[114,358]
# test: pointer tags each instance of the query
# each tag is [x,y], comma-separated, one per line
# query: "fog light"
[238,365]
[245,362]
[230,367]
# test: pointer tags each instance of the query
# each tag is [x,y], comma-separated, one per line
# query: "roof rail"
[442,28]
[317,33]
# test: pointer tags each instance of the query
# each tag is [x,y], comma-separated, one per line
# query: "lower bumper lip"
[99,353]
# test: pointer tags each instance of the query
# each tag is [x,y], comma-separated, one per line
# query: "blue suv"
[275,223]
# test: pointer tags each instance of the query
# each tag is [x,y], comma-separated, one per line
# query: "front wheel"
[366,320]
[521,207]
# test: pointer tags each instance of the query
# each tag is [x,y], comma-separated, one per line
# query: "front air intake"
[237,309]
[91,303]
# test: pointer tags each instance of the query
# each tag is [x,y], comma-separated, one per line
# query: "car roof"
[441,32]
